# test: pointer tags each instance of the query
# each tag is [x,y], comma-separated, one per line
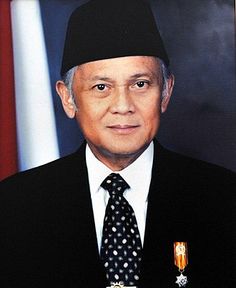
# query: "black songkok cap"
[103,29]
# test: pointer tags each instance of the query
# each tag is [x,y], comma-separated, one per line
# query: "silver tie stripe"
[121,244]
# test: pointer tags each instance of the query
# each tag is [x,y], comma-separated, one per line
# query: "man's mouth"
[123,128]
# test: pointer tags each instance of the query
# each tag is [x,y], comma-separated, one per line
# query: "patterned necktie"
[121,244]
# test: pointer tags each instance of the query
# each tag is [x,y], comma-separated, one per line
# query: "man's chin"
[124,152]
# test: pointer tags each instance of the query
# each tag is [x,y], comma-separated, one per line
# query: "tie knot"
[115,184]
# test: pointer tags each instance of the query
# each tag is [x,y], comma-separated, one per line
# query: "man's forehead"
[131,67]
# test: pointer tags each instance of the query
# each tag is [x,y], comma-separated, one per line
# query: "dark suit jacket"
[47,232]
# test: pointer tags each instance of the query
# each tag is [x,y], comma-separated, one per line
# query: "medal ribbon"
[180,255]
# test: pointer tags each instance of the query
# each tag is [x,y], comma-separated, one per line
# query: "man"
[110,214]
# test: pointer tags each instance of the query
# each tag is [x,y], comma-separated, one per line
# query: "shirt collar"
[136,174]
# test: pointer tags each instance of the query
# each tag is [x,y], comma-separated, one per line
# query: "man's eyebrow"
[101,78]
[145,74]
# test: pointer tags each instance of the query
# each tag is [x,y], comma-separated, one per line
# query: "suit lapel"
[86,267]
[158,265]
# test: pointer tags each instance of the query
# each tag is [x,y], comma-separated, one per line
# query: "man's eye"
[141,84]
[101,87]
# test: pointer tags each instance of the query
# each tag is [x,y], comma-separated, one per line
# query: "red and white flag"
[27,123]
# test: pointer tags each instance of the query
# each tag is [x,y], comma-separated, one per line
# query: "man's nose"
[122,102]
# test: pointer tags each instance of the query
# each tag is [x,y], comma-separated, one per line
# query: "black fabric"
[48,236]
[105,29]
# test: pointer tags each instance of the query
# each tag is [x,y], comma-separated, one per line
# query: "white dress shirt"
[137,175]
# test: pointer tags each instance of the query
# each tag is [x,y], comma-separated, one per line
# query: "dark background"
[200,39]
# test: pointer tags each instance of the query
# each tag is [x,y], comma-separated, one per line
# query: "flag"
[36,129]
[8,146]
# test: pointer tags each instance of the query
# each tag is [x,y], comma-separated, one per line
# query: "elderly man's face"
[119,104]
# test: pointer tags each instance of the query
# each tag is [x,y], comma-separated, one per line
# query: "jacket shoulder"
[49,175]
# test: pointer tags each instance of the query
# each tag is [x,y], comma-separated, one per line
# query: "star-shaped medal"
[181,280]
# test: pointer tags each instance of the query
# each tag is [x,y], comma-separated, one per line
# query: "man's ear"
[66,99]
[167,93]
